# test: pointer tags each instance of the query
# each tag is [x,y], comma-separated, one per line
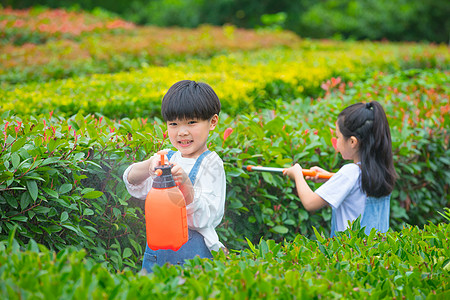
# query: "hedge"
[244,81]
[61,177]
[42,45]
[410,263]
[65,143]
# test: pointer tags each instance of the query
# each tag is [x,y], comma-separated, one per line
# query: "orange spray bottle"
[165,211]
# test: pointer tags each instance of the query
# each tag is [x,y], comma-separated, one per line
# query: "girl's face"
[348,147]
[189,136]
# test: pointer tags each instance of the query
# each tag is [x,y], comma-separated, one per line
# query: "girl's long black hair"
[368,123]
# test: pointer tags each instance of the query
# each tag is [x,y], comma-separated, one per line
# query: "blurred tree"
[397,20]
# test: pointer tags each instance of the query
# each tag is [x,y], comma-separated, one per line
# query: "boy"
[191,111]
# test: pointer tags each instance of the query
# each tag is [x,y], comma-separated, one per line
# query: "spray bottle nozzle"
[164,178]
[163,153]
[159,171]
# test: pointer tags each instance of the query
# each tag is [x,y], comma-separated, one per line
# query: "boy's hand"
[183,182]
[294,171]
[179,175]
[316,178]
[154,162]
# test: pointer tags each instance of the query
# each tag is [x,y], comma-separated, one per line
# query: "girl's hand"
[316,178]
[292,172]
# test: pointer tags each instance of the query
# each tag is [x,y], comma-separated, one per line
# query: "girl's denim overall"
[375,215]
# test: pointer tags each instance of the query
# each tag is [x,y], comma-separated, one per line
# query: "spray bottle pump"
[165,211]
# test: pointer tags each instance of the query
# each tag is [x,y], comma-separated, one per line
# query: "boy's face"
[189,136]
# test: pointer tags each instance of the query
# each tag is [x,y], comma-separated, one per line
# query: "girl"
[361,188]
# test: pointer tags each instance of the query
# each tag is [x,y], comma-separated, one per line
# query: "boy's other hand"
[179,175]
[183,182]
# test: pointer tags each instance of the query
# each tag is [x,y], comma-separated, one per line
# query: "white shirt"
[205,212]
[344,193]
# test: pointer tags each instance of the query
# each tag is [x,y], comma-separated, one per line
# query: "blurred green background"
[393,20]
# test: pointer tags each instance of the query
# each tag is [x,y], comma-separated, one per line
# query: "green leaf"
[88,212]
[127,252]
[268,178]
[86,190]
[289,222]
[25,200]
[32,189]
[235,172]
[235,204]
[251,246]
[50,192]
[447,265]
[15,159]
[263,248]
[65,188]
[12,201]
[54,228]
[18,144]
[280,229]
[318,236]
[93,195]
[31,214]
[33,246]
[71,227]
[34,177]
[94,164]
[51,145]
[135,246]
[116,212]
[6,164]
[50,160]
[64,216]
[19,218]
[91,229]
[159,132]
[41,209]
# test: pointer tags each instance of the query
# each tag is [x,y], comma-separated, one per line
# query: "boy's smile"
[189,136]
[185,143]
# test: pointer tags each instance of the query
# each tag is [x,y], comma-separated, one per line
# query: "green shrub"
[42,161]
[243,80]
[42,44]
[411,263]
[40,25]
[61,185]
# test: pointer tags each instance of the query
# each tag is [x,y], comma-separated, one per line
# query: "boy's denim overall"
[375,215]
[195,246]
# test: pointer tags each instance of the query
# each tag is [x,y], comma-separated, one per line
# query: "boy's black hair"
[368,123]
[188,99]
